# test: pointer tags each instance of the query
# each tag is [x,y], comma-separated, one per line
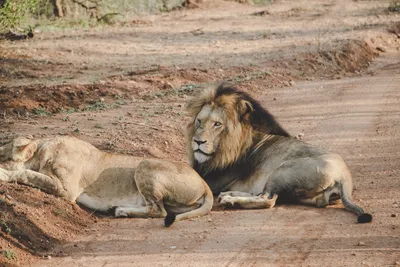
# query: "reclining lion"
[77,171]
[249,159]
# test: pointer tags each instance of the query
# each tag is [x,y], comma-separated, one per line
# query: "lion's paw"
[227,193]
[226,200]
[120,212]
[224,195]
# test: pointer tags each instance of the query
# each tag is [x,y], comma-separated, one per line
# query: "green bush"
[15,13]
[394,6]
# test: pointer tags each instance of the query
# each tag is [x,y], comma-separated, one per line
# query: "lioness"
[77,171]
[249,159]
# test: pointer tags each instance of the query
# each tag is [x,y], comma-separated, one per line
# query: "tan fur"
[77,171]
[245,155]
[238,137]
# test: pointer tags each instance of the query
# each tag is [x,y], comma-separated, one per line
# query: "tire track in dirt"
[342,116]
[361,123]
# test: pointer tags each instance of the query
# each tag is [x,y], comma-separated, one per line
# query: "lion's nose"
[199,142]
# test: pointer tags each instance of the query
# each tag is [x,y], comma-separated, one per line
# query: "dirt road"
[356,117]
[123,88]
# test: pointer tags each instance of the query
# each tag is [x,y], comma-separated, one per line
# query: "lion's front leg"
[32,178]
[247,201]
[233,194]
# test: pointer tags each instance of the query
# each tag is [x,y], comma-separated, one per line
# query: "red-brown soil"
[327,69]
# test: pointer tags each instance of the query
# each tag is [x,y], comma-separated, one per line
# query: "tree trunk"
[58,8]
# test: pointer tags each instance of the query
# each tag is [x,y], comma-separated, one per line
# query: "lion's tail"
[346,188]
[202,210]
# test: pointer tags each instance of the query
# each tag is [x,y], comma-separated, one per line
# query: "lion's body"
[249,159]
[77,171]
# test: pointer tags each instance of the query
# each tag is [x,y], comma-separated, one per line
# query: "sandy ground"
[124,89]
[358,118]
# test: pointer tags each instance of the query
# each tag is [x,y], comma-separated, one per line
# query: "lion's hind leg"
[323,199]
[248,201]
[132,211]
[154,210]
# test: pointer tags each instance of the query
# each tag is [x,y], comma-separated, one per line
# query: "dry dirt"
[124,89]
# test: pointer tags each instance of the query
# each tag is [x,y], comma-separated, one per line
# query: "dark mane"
[260,118]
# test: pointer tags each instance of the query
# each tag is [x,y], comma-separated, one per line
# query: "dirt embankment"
[124,88]
[350,58]
[32,222]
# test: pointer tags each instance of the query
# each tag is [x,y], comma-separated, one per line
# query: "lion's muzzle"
[202,150]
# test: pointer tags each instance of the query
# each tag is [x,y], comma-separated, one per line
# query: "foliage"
[14,13]
[60,212]
[394,6]
[41,111]
[10,254]
[5,228]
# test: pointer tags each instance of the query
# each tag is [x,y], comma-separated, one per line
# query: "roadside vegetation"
[24,16]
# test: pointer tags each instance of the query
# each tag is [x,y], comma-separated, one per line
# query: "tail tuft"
[169,219]
[364,218]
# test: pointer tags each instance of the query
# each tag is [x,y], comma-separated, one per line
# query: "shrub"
[15,13]
[394,6]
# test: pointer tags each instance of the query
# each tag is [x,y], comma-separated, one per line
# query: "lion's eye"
[198,121]
[217,124]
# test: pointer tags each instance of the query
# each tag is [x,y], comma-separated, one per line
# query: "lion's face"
[218,132]
[209,126]
[14,154]
[224,124]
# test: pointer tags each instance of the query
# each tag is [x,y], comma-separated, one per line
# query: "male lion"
[237,146]
[77,171]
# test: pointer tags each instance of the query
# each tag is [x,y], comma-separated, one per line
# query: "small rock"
[209,220]
[292,83]
[397,263]
[172,247]
[274,98]
[300,136]
[48,257]
[393,215]
[353,254]
[168,85]
[361,243]
[381,49]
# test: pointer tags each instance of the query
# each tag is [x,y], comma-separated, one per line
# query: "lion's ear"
[21,141]
[244,109]
[25,152]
